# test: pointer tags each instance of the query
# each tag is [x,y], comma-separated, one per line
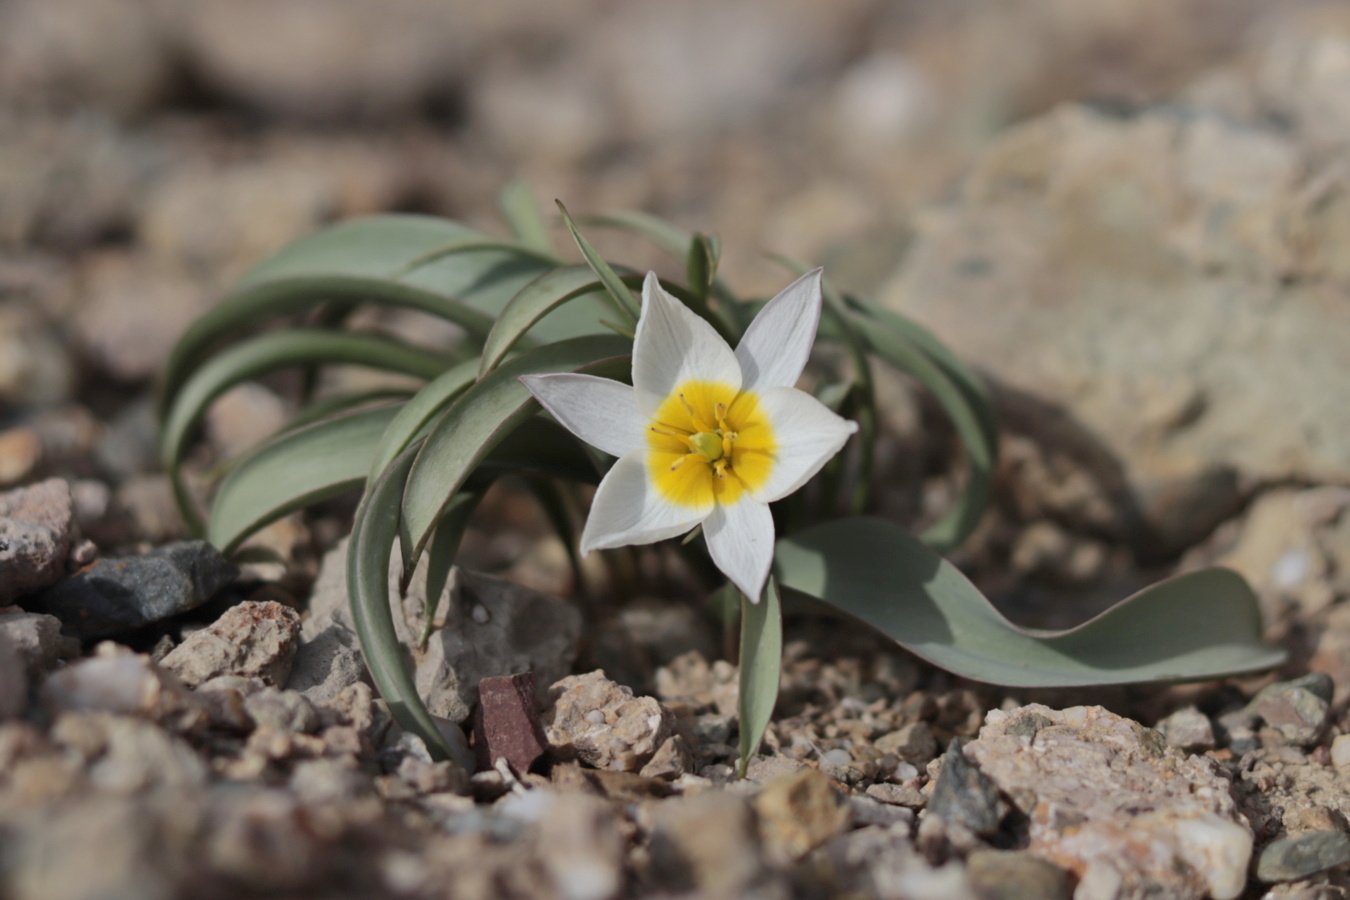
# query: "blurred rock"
[133,312]
[36,639]
[1301,72]
[103,53]
[798,813]
[242,418]
[311,60]
[690,680]
[580,845]
[117,595]
[69,181]
[1106,799]
[147,509]
[282,710]
[1016,875]
[1153,241]
[257,640]
[913,743]
[36,368]
[708,843]
[1287,545]
[36,529]
[116,680]
[13,680]
[602,724]
[129,445]
[1292,858]
[20,454]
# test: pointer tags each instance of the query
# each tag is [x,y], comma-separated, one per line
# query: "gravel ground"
[1130,216]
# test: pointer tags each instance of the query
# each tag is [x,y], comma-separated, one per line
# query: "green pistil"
[707,443]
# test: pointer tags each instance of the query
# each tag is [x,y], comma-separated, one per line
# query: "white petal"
[601,412]
[672,346]
[740,541]
[807,435]
[628,510]
[775,347]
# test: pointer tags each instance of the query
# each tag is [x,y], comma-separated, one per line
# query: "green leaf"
[728,314]
[484,415]
[416,262]
[418,412]
[268,353]
[522,214]
[295,470]
[761,661]
[535,301]
[701,266]
[1197,626]
[372,542]
[624,303]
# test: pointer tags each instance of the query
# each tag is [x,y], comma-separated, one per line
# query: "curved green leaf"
[418,412]
[295,470]
[1192,627]
[268,353]
[481,417]
[624,303]
[372,542]
[418,262]
[670,238]
[535,301]
[245,308]
[760,664]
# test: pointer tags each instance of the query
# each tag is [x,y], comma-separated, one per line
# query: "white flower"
[706,435]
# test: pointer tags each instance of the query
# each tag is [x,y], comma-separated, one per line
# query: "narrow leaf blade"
[623,298]
[372,542]
[761,662]
[299,468]
[483,416]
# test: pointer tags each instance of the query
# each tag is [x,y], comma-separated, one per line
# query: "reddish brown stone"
[506,723]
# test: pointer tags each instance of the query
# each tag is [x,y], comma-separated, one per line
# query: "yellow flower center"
[708,442]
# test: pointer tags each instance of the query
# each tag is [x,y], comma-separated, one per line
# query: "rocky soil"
[1131,216]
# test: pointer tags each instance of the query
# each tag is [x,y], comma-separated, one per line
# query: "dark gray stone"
[36,527]
[117,595]
[963,794]
[1292,858]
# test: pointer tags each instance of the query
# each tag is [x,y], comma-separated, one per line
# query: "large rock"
[486,627]
[36,525]
[1143,289]
[117,595]
[1107,799]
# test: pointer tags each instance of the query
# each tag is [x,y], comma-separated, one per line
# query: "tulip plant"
[689,437]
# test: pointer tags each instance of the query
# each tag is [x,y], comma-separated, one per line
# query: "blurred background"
[1133,216]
